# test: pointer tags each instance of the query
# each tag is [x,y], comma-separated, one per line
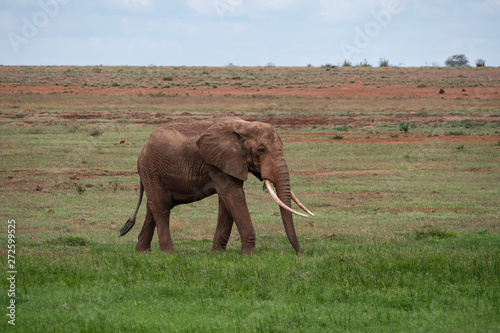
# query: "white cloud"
[103,50]
[7,21]
[255,8]
[133,4]
[487,7]
[202,6]
[275,4]
[20,3]
[347,10]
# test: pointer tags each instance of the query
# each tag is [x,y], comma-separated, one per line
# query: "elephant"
[187,160]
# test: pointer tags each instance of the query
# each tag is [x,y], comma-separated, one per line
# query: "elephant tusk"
[297,201]
[278,201]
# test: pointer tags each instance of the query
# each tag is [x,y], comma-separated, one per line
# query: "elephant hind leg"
[164,236]
[147,232]
[160,202]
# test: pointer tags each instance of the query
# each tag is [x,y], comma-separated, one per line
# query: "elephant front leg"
[230,191]
[235,203]
[223,230]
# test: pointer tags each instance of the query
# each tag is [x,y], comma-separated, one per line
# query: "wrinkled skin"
[188,160]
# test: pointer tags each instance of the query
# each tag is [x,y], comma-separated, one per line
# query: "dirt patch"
[403,139]
[366,120]
[346,92]
[481,170]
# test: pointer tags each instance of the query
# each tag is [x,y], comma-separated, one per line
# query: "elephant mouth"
[257,174]
[275,197]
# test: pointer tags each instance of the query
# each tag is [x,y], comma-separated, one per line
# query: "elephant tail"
[131,222]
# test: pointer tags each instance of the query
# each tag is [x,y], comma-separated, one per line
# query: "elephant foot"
[142,248]
[168,249]
[248,251]
[219,247]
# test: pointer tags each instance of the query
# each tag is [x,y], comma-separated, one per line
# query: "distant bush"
[328,66]
[404,127]
[458,60]
[340,128]
[455,133]
[95,132]
[364,64]
[480,63]
[80,189]
[347,63]
[383,62]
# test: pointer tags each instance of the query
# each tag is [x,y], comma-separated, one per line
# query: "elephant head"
[238,147]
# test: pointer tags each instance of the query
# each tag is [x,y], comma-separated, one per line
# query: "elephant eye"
[261,149]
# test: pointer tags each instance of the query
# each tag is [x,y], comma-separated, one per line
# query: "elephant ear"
[221,145]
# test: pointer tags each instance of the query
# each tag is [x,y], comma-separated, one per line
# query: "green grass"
[405,239]
[406,235]
[339,284]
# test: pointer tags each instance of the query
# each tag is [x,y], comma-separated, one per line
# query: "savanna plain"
[400,166]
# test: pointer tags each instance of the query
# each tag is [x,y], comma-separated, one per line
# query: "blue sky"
[247,32]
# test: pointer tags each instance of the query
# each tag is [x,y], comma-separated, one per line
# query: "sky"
[247,32]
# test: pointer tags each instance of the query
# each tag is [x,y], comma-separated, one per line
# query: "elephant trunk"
[283,191]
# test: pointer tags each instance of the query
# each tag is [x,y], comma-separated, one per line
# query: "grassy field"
[406,235]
